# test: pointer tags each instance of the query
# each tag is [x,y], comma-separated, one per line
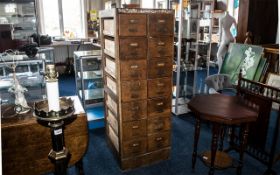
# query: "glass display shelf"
[93,94]
[20,17]
[89,77]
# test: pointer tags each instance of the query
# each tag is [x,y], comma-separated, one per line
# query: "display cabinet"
[137,55]
[20,15]
[89,77]
[29,73]
[191,70]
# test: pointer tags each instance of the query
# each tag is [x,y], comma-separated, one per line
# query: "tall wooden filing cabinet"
[137,54]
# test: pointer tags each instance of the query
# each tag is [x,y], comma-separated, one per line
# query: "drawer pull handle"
[135,127]
[160,104]
[161,43]
[160,84]
[135,86]
[160,64]
[133,21]
[134,66]
[135,144]
[161,21]
[158,138]
[133,44]
[135,108]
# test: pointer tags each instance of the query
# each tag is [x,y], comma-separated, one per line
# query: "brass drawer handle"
[135,108]
[139,83]
[160,84]
[135,127]
[160,64]
[161,43]
[161,21]
[158,138]
[134,66]
[135,86]
[133,44]
[135,144]
[133,21]
[160,104]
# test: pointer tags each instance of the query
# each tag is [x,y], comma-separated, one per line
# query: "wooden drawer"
[134,147]
[133,48]
[159,124]
[112,120]
[161,24]
[134,110]
[160,105]
[159,140]
[133,130]
[109,27]
[160,47]
[110,67]
[109,47]
[159,87]
[145,159]
[160,68]
[111,84]
[134,90]
[133,70]
[111,103]
[132,25]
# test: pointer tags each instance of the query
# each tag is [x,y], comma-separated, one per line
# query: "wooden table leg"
[196,138]
[214,146]
[243,145]
[222,136]
[79,166]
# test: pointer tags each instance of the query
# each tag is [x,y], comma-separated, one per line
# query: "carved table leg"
[196,138]
[243,146]
[222,136]
[214,146]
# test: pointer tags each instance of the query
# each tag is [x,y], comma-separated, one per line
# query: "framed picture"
[274,81]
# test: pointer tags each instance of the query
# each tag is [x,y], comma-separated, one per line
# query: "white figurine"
[20,100]
[226,37]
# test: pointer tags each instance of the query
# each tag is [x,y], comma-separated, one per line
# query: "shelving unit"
[21,14]
[198,52]
[89,77]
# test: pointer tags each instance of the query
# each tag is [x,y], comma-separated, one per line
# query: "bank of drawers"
[138,84]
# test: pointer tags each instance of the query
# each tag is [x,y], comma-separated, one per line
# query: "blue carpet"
[99,159]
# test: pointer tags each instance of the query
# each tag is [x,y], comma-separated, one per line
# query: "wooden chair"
[263,96]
